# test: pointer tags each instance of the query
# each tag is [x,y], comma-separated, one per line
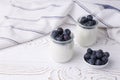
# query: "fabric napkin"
[31,19]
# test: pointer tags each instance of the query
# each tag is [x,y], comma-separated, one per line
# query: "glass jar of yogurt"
[62,51]
[86,35]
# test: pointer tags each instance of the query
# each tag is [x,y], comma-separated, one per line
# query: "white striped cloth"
[25,20]
[30,19]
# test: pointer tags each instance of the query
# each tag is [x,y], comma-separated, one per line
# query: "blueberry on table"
[60,30]
[90,17]
[98,62]
[83,20]
[54,33]
[67,31]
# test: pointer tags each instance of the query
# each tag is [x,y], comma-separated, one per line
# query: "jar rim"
[87,27]
[62,42]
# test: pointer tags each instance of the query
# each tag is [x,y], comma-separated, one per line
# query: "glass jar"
[62,51]
[86,35]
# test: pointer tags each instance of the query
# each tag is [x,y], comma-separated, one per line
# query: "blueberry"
[86,24]
[60,38]
[66,37]
[106,54]
[87,60]
[104,62]
[60,30]
[83,20]
[90,17]
[87,56]
[91,61]
[99,55]
[93,56]
[94,53]
[100,51]
[89,50]
[98,62]
[67,31]
[54,33]
[104,58]
[90,23]
[94,22]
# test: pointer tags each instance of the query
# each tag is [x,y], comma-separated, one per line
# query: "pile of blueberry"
[97,57]
[87,21]
[61,35]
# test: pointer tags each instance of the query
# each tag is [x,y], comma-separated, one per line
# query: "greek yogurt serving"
[61,45]
[86,31]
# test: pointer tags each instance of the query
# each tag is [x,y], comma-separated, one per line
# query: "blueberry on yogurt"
[87,21]
[61,35]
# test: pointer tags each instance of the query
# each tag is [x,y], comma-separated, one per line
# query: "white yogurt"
[84,36]
[62,51]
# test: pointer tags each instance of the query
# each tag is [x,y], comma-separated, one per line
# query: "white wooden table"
[31,61]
